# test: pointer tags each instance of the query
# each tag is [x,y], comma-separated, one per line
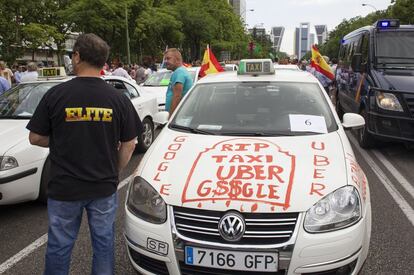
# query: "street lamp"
[369,5]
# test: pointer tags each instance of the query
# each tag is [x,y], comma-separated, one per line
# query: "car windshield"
[162,78]
[253,108]
[22,100]
[395,49]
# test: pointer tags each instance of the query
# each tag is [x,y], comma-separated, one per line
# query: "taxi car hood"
[12,132]
[265,174]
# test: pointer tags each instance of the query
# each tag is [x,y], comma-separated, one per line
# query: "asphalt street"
[390,171]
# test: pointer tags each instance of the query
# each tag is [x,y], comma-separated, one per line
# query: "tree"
[37,36]
[157,28]
[331,46]
[403,10]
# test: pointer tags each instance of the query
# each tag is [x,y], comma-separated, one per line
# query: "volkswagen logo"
[231,226]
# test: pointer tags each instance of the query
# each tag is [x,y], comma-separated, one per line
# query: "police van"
[375,78]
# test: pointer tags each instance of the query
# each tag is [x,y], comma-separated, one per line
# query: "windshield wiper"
[257,134]
[15,117]
[191,130]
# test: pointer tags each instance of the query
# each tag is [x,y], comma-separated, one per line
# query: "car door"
[145,104]
[131,93]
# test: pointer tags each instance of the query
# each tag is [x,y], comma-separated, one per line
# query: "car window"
[132,91]
[22,100]
[253,107]
[120,86]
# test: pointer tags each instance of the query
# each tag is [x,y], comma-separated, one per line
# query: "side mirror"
[353,121]
[161,118]
[356,63]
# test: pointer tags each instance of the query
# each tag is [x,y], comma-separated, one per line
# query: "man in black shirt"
[91,130]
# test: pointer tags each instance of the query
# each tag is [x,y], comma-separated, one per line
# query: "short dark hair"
[92,49]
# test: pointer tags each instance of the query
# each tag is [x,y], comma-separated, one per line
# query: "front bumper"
[20,184]
[391,127]
[304,253]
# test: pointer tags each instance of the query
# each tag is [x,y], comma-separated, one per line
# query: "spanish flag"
[320,65]
[209,64]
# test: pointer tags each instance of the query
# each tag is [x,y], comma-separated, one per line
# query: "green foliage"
[157,28]
[39,35]
[331,46]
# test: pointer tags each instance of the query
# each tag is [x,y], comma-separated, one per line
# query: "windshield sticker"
[308,123]
[209,127]
[165,82]
[163,167]
[185,121]
[252,171]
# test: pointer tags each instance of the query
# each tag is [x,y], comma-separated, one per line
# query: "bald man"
[180,81]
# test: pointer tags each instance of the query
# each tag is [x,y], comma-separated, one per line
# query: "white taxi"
[253,174]
[24,168]
[157,84]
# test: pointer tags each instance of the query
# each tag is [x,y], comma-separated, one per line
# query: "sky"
[290,13]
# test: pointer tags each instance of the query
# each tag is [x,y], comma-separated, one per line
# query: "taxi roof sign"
[50,72]
[255,67]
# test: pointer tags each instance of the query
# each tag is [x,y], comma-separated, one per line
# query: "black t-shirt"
[85,118]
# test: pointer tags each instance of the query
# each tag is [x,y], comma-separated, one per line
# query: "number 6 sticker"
[308,123]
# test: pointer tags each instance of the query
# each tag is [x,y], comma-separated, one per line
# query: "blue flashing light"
[385,24]
[388,23]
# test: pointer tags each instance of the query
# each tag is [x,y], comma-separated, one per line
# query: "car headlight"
[388,101]
[7,163]
[145,203]
[341,208]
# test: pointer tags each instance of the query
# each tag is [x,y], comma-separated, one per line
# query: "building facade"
[239,8]
[302,40]
[276,36]
[321,33]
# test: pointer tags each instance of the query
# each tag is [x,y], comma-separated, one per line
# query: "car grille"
[199,270]
[409,98]
[261,228]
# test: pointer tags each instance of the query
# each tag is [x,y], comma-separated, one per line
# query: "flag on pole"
[210,64]
[320,65]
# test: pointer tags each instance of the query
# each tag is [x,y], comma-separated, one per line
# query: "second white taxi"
[24,168]
[253,174]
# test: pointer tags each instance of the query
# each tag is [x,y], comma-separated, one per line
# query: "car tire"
[145,140]
[365,139]
[44,181]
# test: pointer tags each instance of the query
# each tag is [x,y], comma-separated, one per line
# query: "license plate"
[234,260]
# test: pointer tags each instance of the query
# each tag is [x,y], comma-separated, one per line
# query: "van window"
[395,48]
[365,48]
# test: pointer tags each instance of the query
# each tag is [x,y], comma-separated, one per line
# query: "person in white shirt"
[6,72]
[31,74]
[120,71]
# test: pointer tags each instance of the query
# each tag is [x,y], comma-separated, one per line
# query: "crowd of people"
[16,74]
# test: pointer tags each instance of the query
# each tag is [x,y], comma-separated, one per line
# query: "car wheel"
[365,139]
[44,182]
[147,137]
